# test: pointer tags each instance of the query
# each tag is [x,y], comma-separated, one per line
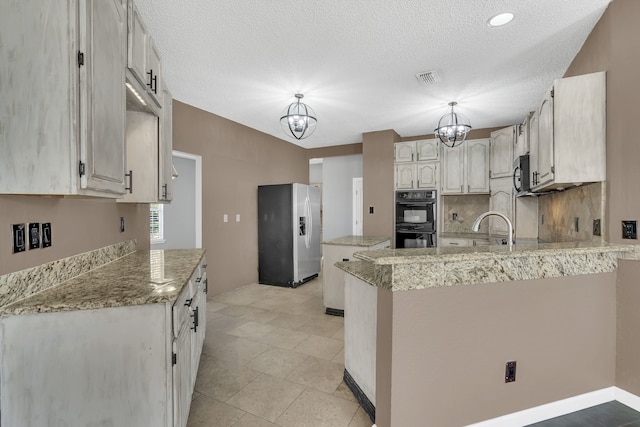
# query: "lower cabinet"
[116,366]
[459,241]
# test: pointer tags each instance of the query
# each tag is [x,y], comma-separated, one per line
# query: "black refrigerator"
[288,234]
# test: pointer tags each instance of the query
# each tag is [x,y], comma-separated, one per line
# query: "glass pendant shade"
[452,128]
[298,119]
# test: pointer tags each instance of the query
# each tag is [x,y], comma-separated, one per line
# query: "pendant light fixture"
[452,128]
[298,120]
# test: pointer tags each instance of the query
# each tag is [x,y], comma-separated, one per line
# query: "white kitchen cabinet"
[417,175]
[502,144]
[428,174]
[149,155]
[466,168]
[416,151]
[165,172]
[501,200]
[521,146]
[62,107]
[154,73]
[123,366]
[136,44]
[571,133]
[533,145]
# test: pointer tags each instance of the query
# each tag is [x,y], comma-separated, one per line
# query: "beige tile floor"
[271,357]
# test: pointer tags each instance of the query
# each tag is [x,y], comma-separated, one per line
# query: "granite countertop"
[407,269]
[142,277]
[365,241]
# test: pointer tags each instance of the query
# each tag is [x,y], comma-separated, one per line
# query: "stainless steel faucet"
[476,224]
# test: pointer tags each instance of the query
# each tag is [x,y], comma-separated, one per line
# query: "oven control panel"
[415,195]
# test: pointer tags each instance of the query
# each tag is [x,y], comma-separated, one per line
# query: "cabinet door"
[521,146]
[427,149]
[405,151]
[165,172]
[533,148]
[502,142]
[154,73]
[428,175]
[102,95]
[182,386]
[452,241]
[405,176]
[453,170]
[501,200]
[136,44]
[545,140]
[477,166]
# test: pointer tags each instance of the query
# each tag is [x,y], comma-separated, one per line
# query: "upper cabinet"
[417,164]
[567,146]
[521,146]
[416,151]
[62,110]
[149,155]
[466,168]
[143,59]
[502,143]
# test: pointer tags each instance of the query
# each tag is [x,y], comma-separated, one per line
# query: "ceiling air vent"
[426,78]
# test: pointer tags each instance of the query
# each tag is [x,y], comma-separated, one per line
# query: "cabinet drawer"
[182,308]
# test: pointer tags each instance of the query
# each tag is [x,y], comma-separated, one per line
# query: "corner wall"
[613,46]
[235,160]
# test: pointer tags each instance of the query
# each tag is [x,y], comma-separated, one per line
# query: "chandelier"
[452,128]
[298,120]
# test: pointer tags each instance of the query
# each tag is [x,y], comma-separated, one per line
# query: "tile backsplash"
[467,208]
[557,214]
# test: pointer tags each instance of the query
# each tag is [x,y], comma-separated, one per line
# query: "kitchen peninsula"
[428,331]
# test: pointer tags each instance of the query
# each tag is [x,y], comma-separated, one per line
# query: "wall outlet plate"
[46,234]
[34,235]
[18,237]
[630,229]
[122,224]
[596,228]
[510,372]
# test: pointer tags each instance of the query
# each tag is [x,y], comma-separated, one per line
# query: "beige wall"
[449,347]
[377,180]
[613,46]
[78,225]
[235,160]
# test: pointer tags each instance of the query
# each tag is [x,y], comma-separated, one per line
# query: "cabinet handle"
[418,183]
[462,188]
[195,319]
[204,266]
[164,191]
[454,243]
[130,187]
[468,188]
[153,82]
[411,183]
[206,286]
[199,279]
[188,302]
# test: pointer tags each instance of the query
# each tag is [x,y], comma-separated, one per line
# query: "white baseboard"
[563,407]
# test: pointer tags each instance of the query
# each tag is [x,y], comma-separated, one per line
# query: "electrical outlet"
[237,217]
[46,234]
[454,216]
[225,218]
[34,235]
[510,372]
[630,229]
[18,236]
[577,224]
[122,224]
[596,227]
[370,209]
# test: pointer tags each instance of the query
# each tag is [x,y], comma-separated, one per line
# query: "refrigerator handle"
[307,207]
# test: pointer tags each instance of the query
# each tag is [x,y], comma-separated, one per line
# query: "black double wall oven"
[416,219]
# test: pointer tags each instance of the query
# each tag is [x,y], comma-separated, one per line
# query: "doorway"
[182,218]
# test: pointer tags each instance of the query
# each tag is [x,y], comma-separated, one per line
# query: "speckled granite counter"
[407,269]
[365,241]
[142,277]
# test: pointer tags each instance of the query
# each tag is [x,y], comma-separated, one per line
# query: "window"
[156,223]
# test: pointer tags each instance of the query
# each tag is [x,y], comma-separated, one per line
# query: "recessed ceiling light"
[500,19]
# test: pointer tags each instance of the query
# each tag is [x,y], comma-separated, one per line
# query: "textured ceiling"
[355,60]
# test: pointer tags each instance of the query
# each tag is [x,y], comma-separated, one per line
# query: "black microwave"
[521,181]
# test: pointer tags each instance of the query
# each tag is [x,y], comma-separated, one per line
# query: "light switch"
[18,234]
[46,234]
[225,218]
[237,217]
